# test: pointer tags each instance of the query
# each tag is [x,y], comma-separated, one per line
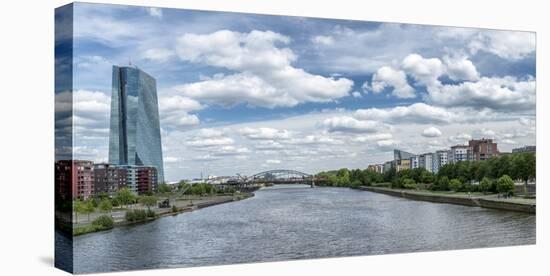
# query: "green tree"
[343,177]
[356,183]
[148,201]
[125,196]
[443,183]
[105,206]
[485,185]
[78,208]
[524,168]
[455,185]
[426,177]
[88,208]
[164,188]
[505,185]
[409,183]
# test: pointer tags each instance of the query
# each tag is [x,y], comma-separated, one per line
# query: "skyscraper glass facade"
[135,129]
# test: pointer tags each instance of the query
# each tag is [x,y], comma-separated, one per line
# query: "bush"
[485,185]
[174,208]
[135,215]
[150,213]
[396,183]
[455,185]
[103,222]
[442,184]
[505,185]
[409,183]
[356,184]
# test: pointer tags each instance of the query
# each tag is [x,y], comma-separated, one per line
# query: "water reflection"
[290,222]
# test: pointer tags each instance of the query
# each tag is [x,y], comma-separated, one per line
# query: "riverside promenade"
[182,204]
[492,201]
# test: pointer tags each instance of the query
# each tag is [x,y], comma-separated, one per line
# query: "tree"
[443,183]
[356,183]
[455,185]
[426,177]
[343,177]
[482,170]
[485,185]
[78,207]
[524,168]
[88,208]
[124,196]
[164,188]
[408,183]
[505,185]
[105,206]
[148,201]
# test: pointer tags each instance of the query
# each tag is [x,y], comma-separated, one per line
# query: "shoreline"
[168,212]
[472,201]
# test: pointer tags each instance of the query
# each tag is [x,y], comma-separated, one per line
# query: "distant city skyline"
[243,93]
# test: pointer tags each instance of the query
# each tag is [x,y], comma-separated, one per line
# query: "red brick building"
[108,178]
[483,149]
[146,179]
[74,178]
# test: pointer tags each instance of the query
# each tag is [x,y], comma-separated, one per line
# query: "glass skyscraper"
[135,129]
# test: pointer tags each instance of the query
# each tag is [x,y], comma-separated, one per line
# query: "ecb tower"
[135,129]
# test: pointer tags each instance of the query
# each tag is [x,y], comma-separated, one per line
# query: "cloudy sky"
[243,93]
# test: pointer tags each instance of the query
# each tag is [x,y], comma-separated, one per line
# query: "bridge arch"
[281,174]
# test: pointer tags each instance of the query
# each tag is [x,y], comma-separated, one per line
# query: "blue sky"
[244,92]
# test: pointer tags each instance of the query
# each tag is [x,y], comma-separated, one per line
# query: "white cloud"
[350,124]
[526,121]
[230,150]
[505,44]
[419,113]
[508,142]
[356,94]
[209,133]
[273,161]
[431,132]
[264,133]
[322,39]
[171,159]
[265,75]
[387,76]
[158,54]
[155,12]
[174,111]
[460,68]
[372,137]
[460,138]
[210,142]
[425,71]
[504,94]
[386,145]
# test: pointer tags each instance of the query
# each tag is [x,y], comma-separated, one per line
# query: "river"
[297,222]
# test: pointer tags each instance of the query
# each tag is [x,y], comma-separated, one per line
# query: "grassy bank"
[467,199]
[184,206]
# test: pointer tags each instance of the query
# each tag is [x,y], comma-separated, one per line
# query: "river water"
[297,222]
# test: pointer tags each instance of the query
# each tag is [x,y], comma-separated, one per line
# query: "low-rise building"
[414,162]
[525,149]
[74,178]
[109,178]
[441,158]
[426,161]
[460,153]
[403,164]
[379,168]
[483,149]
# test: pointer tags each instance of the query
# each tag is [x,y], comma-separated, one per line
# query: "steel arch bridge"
[282,177]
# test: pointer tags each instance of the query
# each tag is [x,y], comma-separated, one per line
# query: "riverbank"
[182,205]
[475,200]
